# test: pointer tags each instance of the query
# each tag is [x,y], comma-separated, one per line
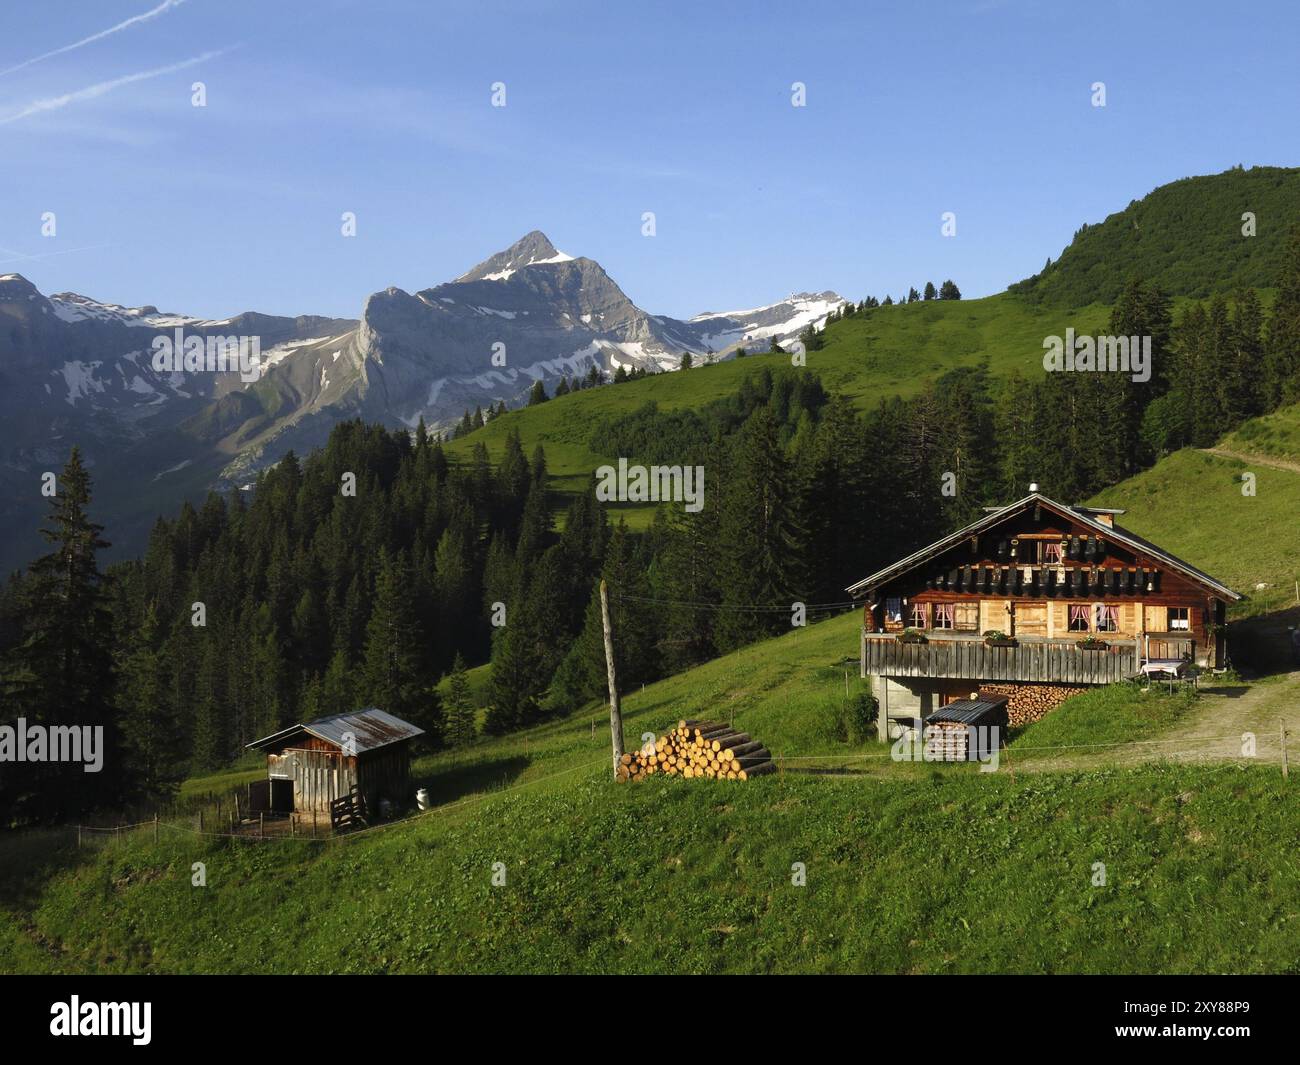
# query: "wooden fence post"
[261,825]
[78,837]
[615,710]
[1285,768]
[155,829]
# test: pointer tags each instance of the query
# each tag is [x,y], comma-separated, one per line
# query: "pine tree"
[949,291]
[759,525]
[537,394]
[210,745]
[1283,357]
[930,292]
[61,673]
[1242,385]
[153,751]
[396,678]
[461,726]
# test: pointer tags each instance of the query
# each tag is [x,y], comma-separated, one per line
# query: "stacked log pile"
[1028,703]
[699,749]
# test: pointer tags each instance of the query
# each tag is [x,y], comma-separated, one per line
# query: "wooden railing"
[1057,661]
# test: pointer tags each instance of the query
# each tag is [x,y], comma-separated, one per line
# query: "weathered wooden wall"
[1061,663]
[319,776]
[386,774]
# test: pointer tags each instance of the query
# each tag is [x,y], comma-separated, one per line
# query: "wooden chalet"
[312,766]
[1079,600]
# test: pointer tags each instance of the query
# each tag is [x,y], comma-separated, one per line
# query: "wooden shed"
[311,765]
[967,730]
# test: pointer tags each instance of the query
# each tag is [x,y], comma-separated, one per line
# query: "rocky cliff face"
[76,370]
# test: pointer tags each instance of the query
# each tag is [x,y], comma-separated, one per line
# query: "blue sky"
[383,108]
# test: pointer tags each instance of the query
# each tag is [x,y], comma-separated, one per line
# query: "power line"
[755,608]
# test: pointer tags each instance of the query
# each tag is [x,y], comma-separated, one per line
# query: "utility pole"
[615,711]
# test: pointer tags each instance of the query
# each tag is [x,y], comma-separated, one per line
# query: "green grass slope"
[1185,236]
[892,351]
[1273,436]
[1192,504]
[909,867]
[954,872]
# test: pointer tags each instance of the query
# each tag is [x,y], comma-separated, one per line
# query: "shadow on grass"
[1262,644]
[455,782]
[29,858]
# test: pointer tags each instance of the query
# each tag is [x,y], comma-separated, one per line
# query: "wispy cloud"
[54,103]
[19,257]
[134,20]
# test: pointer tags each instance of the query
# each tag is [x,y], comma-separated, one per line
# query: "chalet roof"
[371,729]
[1083,515]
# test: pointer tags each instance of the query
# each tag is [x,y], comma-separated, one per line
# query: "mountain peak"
[529,250]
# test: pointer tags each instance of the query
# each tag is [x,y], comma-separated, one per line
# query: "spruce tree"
[61,673]
[761,567]
[396,676]
[153,752]
[461,726]
[1283,358]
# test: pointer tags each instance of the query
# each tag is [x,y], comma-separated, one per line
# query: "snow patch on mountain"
[71,307]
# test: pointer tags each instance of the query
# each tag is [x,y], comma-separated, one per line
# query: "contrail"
[166,5]
[53,103]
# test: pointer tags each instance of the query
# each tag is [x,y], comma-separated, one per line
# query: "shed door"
[1031,619]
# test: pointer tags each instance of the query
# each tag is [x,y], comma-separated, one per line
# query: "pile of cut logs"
[699,749]
[1030,702]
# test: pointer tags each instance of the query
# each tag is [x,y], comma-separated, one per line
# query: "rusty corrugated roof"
[359,731]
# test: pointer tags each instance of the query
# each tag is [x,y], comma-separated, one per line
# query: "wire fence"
[255,830]
[249,830]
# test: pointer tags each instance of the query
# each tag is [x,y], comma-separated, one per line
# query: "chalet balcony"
[965,656]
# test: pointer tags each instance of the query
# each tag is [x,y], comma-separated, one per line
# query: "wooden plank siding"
[1051,662]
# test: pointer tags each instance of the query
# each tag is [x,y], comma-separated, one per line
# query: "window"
[894,611]
[1178,619]
[1078,619]
[943,615]
[919,618]
[1107,618]
[966,617]
[1052,553]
